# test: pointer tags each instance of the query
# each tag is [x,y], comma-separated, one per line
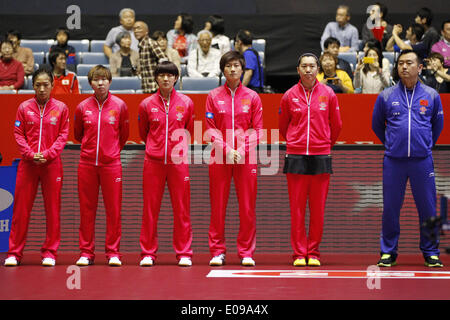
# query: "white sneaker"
[11,262]
[248,262]
[84,261]
[217,260]
[185,262]
[146,262]
[48,262]
[115,261]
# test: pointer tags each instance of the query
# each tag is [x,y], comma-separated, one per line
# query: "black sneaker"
[386,260]
[433,262]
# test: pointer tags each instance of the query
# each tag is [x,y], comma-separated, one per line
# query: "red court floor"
[166,281]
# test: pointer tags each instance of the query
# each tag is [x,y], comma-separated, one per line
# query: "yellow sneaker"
[313,262]
[300,262]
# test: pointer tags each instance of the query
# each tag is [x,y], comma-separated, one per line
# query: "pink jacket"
[43,131]
[102,130]
[240,111]
[310,122]
[164,130]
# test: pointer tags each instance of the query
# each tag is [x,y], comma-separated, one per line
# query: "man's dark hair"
[395,74]
[245,36]
[308,55]
[230,56]
[158,34]
[54,54]
[331,40]
[65,30]
[217,24]
[425,13]
[418,30]
[166,67]
[14,33]
[187,23]
[444,23]
[42,69]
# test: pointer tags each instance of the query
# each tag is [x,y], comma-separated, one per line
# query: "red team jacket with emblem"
[163,130]
[43,131]
[310,122]
[65,84]
[240,111]
[102,129]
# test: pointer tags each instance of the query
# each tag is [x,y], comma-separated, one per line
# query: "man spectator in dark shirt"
[253,77]
[412,42]
[424,17]
[332,45]
[150,54]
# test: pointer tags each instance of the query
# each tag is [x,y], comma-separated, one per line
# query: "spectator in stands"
[11,70]
[150,54]
[64,81]
[181,37]
[253,77]
[204,60]
[341,29]
[336,79]
[381,30]
[385,63]
[124,63]
[24,55]
[62,37]
[332,46]
[413,35]
[424,17]
[127,20]
[369,74]
[172,54]
[436,75]
[216,25]
[443,46]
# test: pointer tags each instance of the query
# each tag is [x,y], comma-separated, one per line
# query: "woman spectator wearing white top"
[216,25]
[369,74]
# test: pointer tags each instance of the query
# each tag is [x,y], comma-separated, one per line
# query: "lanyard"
[408,102]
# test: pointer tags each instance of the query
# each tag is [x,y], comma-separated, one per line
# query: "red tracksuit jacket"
[158,128]
[102,130]
[310,122]
[239,111]
[45,132]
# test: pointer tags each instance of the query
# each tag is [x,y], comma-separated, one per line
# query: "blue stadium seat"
[39,57]
[128,91]
[125,83]
[25,91]
[83,83]
[391,56]
[183,70]
[199,85]
[97,45]
[8,92]
[259,45]
[79,45]
[350,57]
[28,83]
[94,58]
[37,45]
[83,69]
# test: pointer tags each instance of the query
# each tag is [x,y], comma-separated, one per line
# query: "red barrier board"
[356,113]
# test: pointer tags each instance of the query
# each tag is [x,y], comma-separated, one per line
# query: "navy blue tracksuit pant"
[396,172]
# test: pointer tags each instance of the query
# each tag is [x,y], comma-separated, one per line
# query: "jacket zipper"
[166,109]
[41,115]
[308,102]
[409,103]
[100,107]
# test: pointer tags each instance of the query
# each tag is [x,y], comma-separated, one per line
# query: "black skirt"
[310,165]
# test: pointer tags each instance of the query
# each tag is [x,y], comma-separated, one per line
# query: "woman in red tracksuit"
[102,127]
[234,124]
[164,119]
[309,119]
[41,130]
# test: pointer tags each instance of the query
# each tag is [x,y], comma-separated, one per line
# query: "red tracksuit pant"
[28,177]
[90,179]
[313,188]
[245,182]
[177,176]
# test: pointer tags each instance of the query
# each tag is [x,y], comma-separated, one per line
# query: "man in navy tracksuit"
[408,119]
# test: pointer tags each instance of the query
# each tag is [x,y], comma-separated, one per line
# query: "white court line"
[329,274]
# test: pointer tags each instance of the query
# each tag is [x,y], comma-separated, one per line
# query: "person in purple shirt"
[342,30]
[443,46]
